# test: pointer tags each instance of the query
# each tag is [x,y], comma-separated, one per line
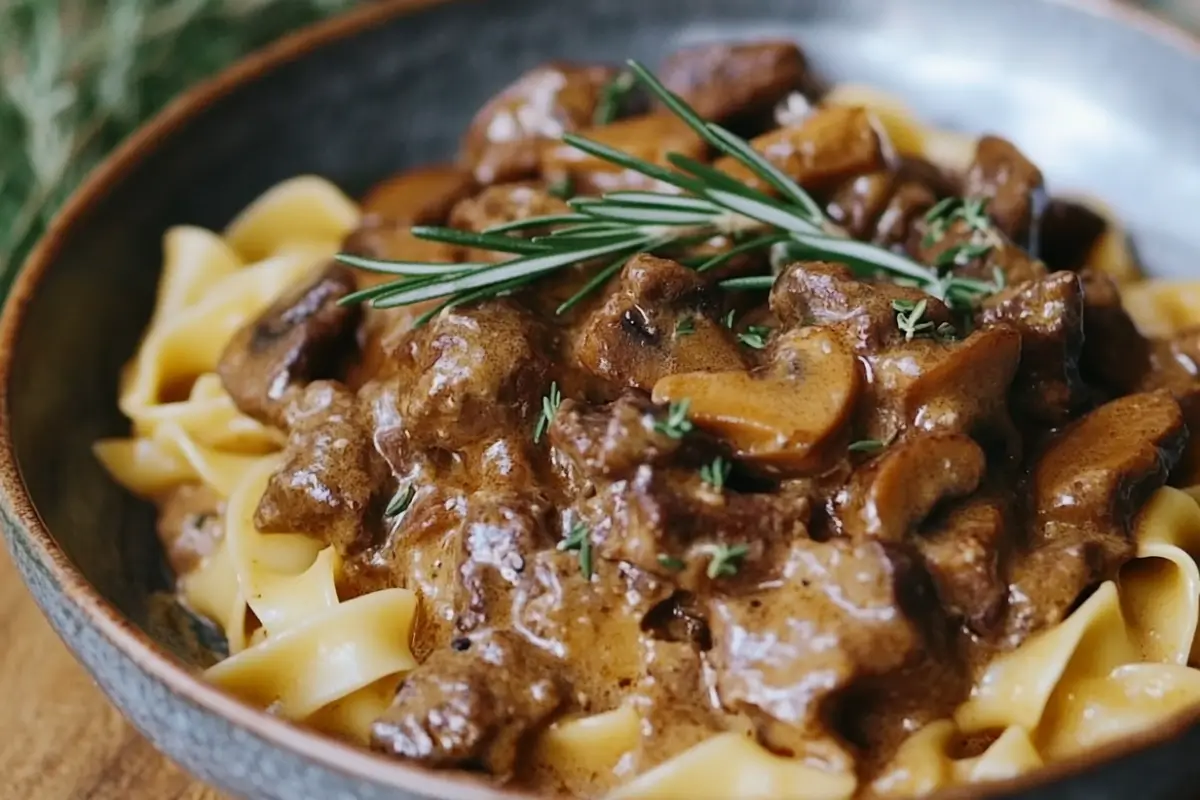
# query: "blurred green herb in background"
[76,76]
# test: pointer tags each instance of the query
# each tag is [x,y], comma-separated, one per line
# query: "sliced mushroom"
[422,196]
[722,80]
[1100,470]
[895,493]
[659,319]
[819,153]
[788,420]
[967,387]
[505,139]
[650,137]
[301,337]
[1088,483]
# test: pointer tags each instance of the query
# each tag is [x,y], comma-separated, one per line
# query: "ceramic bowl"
[1103,98]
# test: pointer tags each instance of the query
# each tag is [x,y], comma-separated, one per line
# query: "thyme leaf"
[716,472]
[550,404]
[676,425]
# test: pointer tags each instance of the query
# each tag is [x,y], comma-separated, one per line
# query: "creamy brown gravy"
[874,584]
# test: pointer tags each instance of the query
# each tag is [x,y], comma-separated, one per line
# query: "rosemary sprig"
[579,539]
[716,473]
[621,224]
[550,404]
[676,425]
[867,446]
[400,501]
[724,560]
[612,96]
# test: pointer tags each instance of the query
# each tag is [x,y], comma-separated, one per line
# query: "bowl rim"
[330,754]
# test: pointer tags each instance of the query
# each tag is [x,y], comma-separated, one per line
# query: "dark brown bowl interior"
[386,89]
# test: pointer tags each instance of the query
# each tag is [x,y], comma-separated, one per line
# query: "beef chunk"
[1048,312]
[860,201]
[722,81]
[895,493]
[1070,231]
[963,552]
[190,526]
[650,137]
[302,336]
[669,522]
[610,442]
[333,483]
[472,373]
[506,137]
[844,613]
[970,252]
[819,153]
[886,207]
[1087,485]
[473,708]
[1013,186]
[659,319]
[818,293]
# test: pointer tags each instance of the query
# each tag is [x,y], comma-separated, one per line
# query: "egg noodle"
[1122,662]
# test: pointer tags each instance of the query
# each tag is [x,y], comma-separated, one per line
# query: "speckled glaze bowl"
[1103,98]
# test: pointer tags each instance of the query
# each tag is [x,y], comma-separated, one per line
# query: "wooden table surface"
[60,739]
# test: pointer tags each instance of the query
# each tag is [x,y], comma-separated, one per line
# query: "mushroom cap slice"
[787,420]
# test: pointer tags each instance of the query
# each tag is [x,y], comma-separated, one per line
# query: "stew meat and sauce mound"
[811,513]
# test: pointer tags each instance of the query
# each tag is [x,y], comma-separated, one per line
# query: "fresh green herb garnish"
[715,473]
[621,224]
[612,96]
[685,327]
[400,501]
[550,404]
[579,539]
[727,320]
[671,562]
[908,318]
[676,425]
[725,559]
[755,336]
[867,446]
[946,332]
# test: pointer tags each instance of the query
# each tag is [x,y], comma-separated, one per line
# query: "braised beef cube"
[1088,483]
[303,336]
[1048,312]
[899,225]
[847,612]
[819,293]
[1013,186]
[963,552]
[722,81]
[1069,232]
[476,707]
[501,533]
[333,483]
[1115,354]
[823,151]
[610,442]
[660,318]
[470,373]
[970,252]
[505,140]
[672,523]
